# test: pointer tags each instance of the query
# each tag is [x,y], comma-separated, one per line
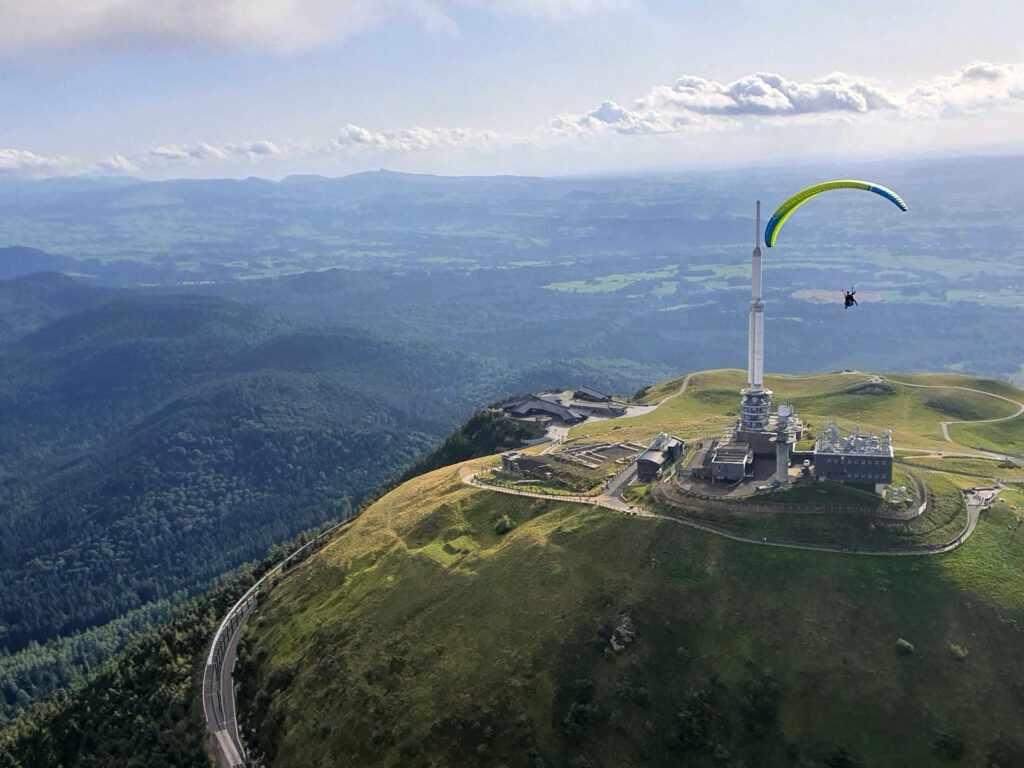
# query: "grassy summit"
[424,636]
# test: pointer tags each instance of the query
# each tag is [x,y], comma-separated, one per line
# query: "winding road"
[218,683]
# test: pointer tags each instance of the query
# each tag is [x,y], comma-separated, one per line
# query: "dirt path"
[944,425]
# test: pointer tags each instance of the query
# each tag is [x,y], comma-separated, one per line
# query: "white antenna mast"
[757,226]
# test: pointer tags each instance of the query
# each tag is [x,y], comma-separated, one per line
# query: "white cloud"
[23,162]
[117,164]
[978,86]
[613,117]
[413,139]
[695,103]
[203,152]
[558,9]
[281,25]
[691,104]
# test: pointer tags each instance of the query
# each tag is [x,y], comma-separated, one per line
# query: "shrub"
[958,651]
[904,647]
[760,703]
[582,690]
[696,720]
[504,525]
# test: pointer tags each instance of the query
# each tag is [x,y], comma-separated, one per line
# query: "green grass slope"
[457,626]
[423,637]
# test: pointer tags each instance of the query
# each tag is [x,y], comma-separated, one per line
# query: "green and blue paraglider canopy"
[785,210]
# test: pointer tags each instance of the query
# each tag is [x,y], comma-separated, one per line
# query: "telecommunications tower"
[756,401]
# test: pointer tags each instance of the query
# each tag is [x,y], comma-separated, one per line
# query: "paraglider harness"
[849,301]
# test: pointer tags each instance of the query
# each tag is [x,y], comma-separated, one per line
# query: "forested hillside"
[150,443]
[142,707]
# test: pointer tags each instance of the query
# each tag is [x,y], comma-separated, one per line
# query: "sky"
[209,88]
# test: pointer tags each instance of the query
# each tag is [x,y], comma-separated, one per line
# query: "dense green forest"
[143,706]
[152,442]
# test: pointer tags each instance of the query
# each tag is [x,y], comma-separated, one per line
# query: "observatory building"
[758,433]
[861,460]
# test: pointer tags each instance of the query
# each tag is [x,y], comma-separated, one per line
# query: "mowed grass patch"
[502,657]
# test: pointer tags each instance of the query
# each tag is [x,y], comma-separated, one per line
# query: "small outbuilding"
[730,461]
[662,452]
[524,465]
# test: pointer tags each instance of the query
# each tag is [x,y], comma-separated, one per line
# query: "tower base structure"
[755,408]
[784,439]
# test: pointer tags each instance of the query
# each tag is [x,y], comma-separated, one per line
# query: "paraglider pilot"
[849,301]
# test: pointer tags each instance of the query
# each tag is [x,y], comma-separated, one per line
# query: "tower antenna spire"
[756,401]
[757,226]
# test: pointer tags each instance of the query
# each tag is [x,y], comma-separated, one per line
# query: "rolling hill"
[452,625]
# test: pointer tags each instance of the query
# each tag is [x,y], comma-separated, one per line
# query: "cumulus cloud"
[26,163]
[117,164]
[203,152]
[691,103]
[282,25]
[412,139]
[694,102]
[975,87]
[613,117]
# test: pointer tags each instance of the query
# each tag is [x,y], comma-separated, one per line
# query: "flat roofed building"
[730,460]
[858,459]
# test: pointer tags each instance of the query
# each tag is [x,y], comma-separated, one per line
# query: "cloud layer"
[690,104]
[281,25]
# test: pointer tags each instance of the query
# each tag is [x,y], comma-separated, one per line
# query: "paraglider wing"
[785,210]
